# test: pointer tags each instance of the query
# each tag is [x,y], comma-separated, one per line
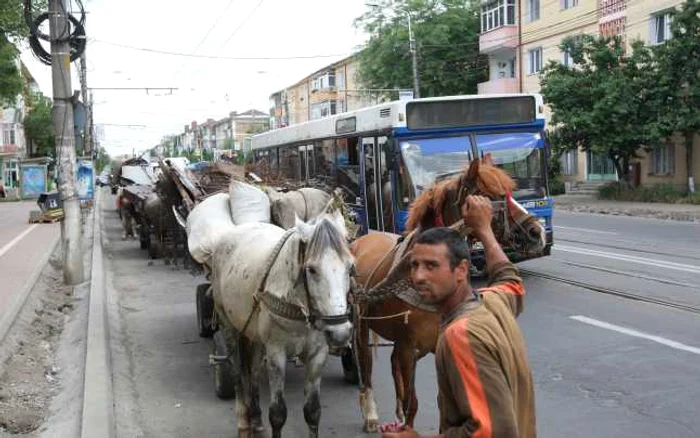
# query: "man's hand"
[397,429]
[477,213]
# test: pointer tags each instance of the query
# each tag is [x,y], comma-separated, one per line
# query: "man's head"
[439,264]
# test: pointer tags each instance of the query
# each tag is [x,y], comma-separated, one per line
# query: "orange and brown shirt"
[484,380]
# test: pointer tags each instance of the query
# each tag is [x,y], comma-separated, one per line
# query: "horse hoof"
[245,433]
[260,432]
[371,426]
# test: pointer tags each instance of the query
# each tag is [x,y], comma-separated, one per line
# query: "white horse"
[282,293]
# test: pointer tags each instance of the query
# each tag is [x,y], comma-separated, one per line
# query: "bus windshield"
[518,153]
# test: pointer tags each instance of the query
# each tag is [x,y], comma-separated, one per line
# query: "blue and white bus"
[408,145]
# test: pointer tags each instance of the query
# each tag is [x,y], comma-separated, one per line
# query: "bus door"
[349,178]
[306,162]
[376,183]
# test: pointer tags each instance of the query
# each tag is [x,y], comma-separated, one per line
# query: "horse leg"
[407,361]
[243,385]
[364,357]
[398,384]
[276,362]
[255,412]
[312,386]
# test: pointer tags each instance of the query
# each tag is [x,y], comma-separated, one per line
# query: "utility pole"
[414,58]
[62,116]
[87,101]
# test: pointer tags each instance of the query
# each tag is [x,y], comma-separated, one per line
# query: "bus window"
[274,163]
[289,162]
[324,157]
[306,163]
[384,146]
[371,189]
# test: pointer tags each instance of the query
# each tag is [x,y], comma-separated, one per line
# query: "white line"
[584,229]
[629,258]
[636,334]
[14,241]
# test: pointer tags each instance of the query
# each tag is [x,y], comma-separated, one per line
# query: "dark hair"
[456,246]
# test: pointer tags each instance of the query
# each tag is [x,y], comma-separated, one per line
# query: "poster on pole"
[32,180]
[86,181]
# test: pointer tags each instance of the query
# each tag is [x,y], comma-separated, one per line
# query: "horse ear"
[305,230]
[488,159]
[472,173]
[339,222]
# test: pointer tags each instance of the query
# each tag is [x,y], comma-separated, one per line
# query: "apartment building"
[330,90]
[521,36]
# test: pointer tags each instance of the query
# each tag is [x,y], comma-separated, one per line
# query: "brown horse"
[414,330]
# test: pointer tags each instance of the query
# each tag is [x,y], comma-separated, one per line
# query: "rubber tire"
[224,380]
[350,372]
[205,311]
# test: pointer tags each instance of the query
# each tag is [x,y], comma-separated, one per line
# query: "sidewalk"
[587,204]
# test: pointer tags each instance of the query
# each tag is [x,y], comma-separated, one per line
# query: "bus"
[407,146]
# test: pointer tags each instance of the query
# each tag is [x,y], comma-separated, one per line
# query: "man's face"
[431,274]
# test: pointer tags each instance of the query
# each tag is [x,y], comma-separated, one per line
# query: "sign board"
[86,180]
[406,95]
[33,180]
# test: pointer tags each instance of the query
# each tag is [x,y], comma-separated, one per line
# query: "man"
[484,381]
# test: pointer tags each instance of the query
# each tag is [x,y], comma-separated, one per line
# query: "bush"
[556,187]
[667,193]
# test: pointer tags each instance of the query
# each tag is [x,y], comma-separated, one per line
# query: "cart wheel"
[350,373]
[205,311]
[224,382]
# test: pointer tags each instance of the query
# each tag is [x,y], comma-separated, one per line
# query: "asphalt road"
[604,365]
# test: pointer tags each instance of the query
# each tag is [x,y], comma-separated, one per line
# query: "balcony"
[499,86]
[504,37]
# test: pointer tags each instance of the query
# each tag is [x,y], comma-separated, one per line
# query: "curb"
[98,407]
[645,212]
[17,305]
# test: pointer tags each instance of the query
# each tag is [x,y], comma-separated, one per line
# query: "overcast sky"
[207,88]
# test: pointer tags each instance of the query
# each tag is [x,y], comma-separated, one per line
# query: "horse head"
[441,206]
[326,266]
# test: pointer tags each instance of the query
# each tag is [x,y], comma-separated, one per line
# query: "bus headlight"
[542,221]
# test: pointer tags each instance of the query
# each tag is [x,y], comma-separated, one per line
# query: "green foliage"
[207,155]
[602,104]
[447,40]
[11,83]
[38,126]
[12,21]
[667,193]
[103,159]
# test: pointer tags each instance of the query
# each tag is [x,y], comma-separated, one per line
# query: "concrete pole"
[62,116]
[87,138]
[414,59]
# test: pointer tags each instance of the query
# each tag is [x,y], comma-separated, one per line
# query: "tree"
[38,126]
[447,40]
[102,160]
[603,102]
[10,78]
[678,82]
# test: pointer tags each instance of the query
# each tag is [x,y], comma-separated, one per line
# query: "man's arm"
[504,278]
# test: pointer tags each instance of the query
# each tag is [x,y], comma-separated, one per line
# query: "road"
[604,365]
[24,248]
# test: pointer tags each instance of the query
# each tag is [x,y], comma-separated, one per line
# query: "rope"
[405,315]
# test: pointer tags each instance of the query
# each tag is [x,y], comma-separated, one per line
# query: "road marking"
[636,334]
[14,241]
[584,229]
[629,258]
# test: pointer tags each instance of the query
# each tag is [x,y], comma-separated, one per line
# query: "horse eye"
[311,270]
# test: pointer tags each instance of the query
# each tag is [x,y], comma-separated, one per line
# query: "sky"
[321,31]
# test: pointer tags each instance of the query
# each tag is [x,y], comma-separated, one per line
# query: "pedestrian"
[2,189]
[484,381]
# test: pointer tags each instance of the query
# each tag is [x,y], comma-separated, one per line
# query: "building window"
[566,4]
[496,14]
[533,9]
[323,82]
[324,109]
[661,27]
[340,80]
[608,7]
[663,160]
[569,162]
[8,135]
[535,60]
[566,60]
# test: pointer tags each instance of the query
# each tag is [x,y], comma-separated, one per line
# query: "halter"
[286,309]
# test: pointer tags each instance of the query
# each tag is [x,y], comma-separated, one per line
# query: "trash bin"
[49,201]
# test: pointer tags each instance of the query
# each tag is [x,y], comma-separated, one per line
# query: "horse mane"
[491,181]
[327,236]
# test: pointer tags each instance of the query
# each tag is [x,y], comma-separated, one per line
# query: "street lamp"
[412,50]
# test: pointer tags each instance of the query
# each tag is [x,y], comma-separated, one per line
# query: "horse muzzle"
[337,331]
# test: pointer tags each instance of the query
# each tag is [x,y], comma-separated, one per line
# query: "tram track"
[626,248]
[612,291]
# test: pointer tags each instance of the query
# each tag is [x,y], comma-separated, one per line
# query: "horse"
[282,293]
[127,214]
[413,328]
[306,203]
